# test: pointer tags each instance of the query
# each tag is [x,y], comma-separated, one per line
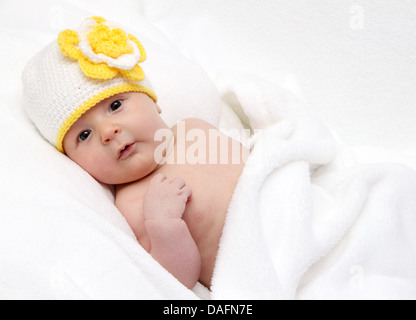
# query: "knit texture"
[62,82]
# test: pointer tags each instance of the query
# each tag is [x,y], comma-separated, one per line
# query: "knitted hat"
[82,68]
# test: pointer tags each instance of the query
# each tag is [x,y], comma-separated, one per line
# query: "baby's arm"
[171,243]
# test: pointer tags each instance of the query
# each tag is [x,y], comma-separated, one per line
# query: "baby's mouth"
[126,151]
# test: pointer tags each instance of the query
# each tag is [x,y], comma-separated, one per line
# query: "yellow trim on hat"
[74,116]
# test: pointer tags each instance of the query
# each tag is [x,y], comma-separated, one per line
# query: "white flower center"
[123,62]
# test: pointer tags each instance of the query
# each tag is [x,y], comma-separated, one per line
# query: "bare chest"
[212,188]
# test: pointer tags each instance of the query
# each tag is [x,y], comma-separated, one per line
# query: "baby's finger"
[160,177]
[187,192]
[178,182]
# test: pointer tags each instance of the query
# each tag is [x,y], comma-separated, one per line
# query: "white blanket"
[296,231]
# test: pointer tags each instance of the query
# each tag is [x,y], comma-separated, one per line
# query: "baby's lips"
[126,151]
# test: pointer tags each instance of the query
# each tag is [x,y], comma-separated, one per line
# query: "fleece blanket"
[301,225]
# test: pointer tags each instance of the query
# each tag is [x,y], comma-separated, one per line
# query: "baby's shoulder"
[194,123]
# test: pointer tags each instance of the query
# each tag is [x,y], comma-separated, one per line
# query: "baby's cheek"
[100,168]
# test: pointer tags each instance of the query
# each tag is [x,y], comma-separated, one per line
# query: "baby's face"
[114,140]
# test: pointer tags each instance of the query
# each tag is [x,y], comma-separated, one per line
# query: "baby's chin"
[122,179]
[134,169]
[118,181]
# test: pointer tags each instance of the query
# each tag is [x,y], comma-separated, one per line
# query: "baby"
[89,97]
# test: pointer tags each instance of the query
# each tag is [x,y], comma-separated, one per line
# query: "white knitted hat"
[73,74]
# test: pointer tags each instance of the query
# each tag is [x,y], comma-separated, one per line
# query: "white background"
[353,61]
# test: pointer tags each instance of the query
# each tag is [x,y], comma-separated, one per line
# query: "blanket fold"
[294,232]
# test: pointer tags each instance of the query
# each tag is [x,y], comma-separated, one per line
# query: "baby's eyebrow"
[110,100]
[119,96]
[78,126]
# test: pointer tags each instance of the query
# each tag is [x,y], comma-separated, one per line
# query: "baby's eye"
[115,105]
[84,135]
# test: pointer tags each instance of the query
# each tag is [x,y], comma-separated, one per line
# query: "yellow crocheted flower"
[112,43]
[103,50]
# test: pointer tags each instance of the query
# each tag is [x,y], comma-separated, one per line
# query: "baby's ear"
[158,109]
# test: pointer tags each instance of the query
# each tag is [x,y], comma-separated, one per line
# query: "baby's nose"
[108,132]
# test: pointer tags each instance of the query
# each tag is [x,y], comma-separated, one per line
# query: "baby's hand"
[165,199]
